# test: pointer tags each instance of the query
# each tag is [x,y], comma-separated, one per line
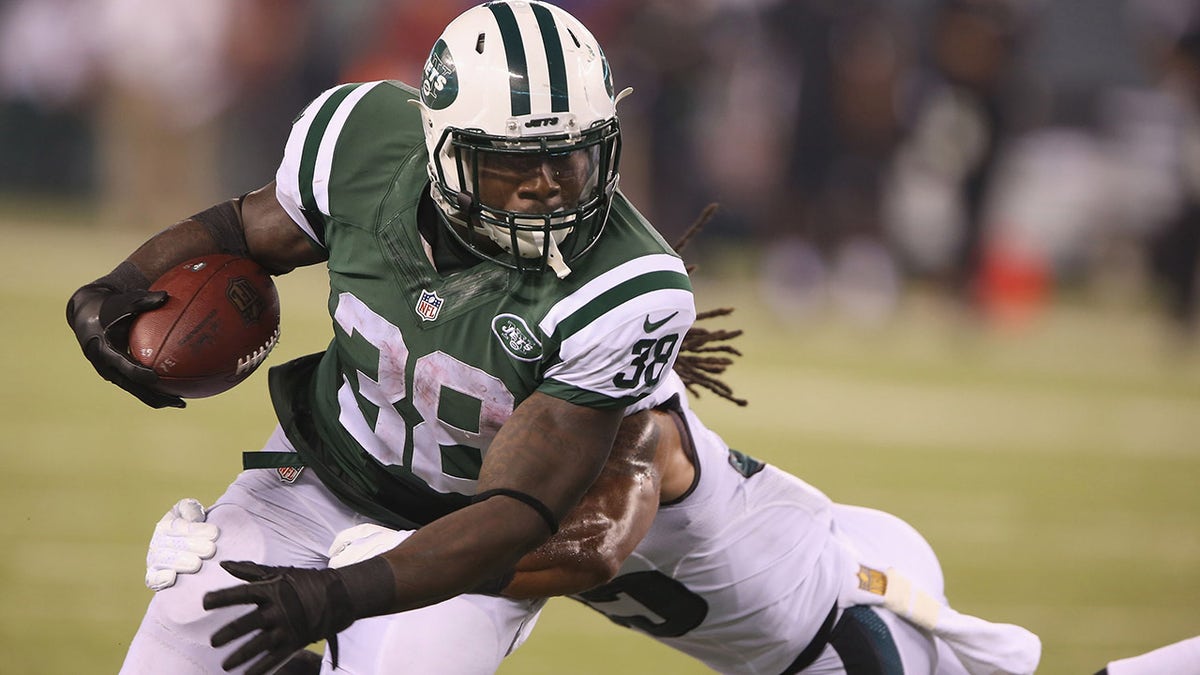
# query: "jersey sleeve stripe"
[287,177]
[589,291]
[618,295]
[308,158]
[324,155]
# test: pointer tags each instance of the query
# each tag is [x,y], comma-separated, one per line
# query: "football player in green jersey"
[731,561]
[497,304]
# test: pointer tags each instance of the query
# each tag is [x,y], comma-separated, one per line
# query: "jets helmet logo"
[439,82]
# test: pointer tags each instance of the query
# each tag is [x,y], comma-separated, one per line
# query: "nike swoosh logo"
[651,326]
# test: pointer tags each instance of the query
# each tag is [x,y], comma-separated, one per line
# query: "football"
[219,323]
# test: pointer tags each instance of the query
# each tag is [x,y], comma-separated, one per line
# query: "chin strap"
[555,260]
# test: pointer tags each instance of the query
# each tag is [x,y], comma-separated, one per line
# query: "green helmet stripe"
[514,51]
[618,295]
[554,59]
[308,156]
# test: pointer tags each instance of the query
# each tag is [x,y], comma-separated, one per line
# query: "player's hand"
[295,607]
[356,544]
[181,543]
[101,317]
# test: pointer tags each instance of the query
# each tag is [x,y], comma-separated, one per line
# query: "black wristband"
[224,225]
[370,585]
[525,498]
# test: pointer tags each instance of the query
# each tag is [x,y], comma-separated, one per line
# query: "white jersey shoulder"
[619,333]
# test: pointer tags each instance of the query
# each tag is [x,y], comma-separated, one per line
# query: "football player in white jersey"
[496,305]
[717,555]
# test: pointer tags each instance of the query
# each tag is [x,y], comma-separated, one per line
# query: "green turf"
[1054,471]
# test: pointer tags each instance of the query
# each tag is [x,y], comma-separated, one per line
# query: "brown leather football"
[220,321]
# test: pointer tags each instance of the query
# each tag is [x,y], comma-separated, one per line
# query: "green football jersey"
[423,369]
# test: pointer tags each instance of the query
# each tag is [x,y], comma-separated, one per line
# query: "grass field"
[1055,472]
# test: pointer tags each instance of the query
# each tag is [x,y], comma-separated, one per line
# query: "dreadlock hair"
[700,361]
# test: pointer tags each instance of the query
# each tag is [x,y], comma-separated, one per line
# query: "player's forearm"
[254,226]
[453,555]
[177,243]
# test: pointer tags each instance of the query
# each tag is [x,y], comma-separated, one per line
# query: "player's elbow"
[598,569]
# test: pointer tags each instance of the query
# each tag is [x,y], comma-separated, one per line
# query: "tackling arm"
[613,516]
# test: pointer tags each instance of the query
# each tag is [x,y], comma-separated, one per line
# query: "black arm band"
[527,499]
[224,224]
[126,277]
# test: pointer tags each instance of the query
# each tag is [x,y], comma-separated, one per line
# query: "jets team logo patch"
[516,337]
[429,305]
[439,82]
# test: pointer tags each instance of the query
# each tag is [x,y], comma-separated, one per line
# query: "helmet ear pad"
[563,102]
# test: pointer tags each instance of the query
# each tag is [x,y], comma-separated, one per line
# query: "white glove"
[181,541]
[356,544]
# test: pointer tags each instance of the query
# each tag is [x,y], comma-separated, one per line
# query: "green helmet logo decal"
[439,82]
[516,338]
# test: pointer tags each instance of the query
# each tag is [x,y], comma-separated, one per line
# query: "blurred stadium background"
[961,236]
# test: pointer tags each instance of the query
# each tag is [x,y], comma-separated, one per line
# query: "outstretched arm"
[537,469]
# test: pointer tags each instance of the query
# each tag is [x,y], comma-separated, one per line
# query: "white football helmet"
[521,90]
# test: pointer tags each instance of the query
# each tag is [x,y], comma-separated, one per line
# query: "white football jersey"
[740,572]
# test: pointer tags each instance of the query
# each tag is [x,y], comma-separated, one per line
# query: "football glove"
[100,316]
[182,540]
[295,607]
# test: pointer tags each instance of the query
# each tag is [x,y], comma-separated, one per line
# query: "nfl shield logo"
[429,305]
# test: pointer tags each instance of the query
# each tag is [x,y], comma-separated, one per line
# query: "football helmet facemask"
[520,122]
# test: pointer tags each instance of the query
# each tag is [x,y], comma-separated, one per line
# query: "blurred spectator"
[960,117]
[853,142]
[845,62]
[166,78]
[172,73]
[1175,248]
[397,39]
[46,75]
[207,89]
[663,51]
